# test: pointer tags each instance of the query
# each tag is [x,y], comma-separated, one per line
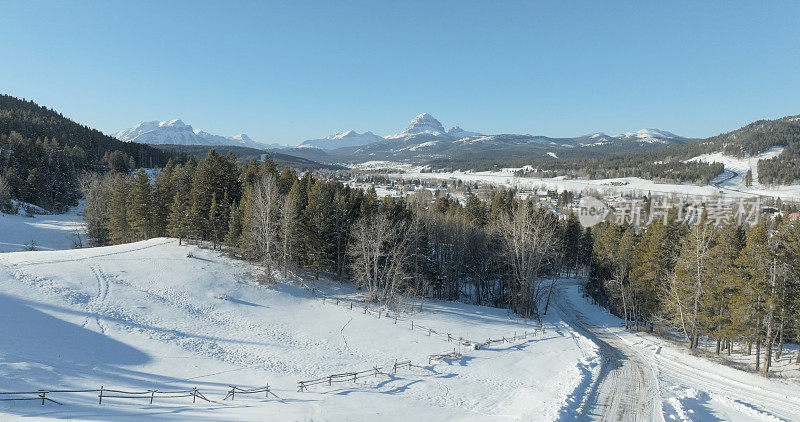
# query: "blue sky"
[289,71]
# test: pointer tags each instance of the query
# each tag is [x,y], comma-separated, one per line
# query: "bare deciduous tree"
[527,236]
[289,222]
[263,218]
[378,251]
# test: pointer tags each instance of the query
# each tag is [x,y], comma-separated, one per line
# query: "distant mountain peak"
[175,131]
[347,138]
[424,123]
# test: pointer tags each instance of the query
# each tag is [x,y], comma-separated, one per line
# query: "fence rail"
[104,393]
[475,345]
[234,390]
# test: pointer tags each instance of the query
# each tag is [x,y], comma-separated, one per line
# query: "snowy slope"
[736,166]
[146,316]
[177,132]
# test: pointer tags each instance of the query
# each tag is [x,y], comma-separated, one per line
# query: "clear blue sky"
[289,71]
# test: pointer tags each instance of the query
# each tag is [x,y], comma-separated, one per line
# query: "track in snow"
[626,388]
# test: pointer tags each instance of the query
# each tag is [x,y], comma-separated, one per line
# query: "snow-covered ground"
[155,315]
[147,316]
[622,185]
[688,387]
[44,232]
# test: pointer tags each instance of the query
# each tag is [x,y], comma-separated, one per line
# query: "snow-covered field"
[147,316]
[44,232]
[733,188]
[155,315]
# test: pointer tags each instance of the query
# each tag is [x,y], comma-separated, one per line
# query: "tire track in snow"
[624,389]
[100,297]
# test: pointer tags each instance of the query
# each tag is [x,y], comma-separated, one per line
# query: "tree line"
[733,284]
[43,154]
[500,252]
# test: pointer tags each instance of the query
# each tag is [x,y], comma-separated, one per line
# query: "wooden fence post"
[194,394]
[412,324]
[152,394]
[101,395]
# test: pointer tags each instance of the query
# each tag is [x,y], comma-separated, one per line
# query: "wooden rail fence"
[103,393]
[475,345]
[234,390]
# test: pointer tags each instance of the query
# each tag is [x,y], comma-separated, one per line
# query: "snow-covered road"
[625,388]
[644,378]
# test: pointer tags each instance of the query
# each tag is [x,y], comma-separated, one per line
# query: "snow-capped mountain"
[424,124]
[177,132]
[345,139]
[649,135]
[641,136]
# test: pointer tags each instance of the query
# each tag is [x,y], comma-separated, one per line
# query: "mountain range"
[176,132]
[425,138]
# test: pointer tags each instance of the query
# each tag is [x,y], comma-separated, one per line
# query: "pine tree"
[290,228]
[476,210]
[751,301]
[118,229]
[178,221]
[650,271]
[235,226]
[571,243]
[721,282]
[163,193]
[318,239]
[139,207]
[215,222]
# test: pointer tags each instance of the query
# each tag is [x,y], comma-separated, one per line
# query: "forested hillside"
[245,154]
[669,164]
[42,154]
